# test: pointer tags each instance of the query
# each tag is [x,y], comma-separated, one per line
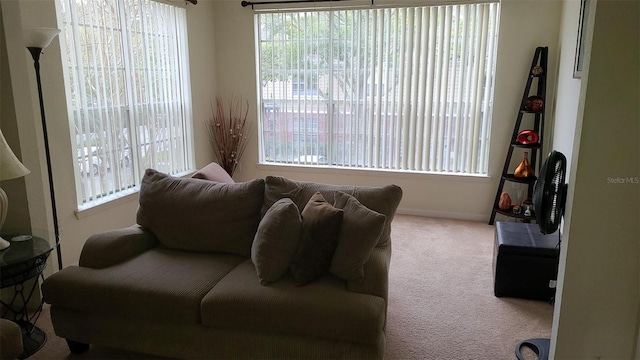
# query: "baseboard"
[444,214]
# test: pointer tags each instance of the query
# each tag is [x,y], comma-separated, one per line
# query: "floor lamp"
[37,39]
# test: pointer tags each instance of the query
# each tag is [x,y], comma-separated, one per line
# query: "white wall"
[568,88]
[596,314]
[18,219]
[524,26]
[202,57]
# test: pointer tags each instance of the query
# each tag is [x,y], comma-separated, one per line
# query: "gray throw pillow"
[196,215]
[276,241]
[384,200]
[321,224]
[360,232]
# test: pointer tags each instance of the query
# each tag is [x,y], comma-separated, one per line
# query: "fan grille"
[549,193]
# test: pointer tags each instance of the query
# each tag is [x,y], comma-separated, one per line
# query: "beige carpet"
[441,303]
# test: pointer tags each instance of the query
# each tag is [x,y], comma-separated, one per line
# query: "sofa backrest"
[384,200]
[200,215]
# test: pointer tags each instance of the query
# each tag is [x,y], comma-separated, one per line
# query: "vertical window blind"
[407,88]
[128,90]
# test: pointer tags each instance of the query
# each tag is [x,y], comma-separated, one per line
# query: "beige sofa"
[230,270]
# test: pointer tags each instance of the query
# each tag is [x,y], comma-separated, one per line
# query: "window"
[304,86]
[128,92]
[407,88]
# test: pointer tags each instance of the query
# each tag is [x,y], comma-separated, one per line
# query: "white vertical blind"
[407,88]
[128,92]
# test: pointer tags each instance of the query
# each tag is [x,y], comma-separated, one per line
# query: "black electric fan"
[550,193]
[549,197]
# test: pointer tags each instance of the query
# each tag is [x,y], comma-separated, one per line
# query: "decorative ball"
[537,71]
[534,103]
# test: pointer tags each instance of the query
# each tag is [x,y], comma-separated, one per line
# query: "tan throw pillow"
[383,200]
[213,172]
[360,232]
[321,224]
[196,215]
[276,241]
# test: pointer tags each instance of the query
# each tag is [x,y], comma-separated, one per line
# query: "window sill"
[95,208]
[110,202]
[432,176]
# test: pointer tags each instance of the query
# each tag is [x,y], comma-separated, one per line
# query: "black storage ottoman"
[524,261]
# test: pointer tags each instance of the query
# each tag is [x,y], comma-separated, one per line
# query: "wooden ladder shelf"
[531,105]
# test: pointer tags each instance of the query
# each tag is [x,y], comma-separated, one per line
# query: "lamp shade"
[10,166]
[39,37]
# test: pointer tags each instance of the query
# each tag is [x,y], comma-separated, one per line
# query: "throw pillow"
[384,200]
[321,224]
[213,172]
[276,241]
[195,215]
[360,232]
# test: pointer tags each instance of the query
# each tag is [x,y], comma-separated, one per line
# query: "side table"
[22,261]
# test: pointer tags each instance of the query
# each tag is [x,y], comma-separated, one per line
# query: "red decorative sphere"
[534,103]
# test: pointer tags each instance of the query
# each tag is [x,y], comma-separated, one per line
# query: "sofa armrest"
[115,246]
[376,274]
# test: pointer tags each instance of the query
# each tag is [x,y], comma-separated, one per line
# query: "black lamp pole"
[35,53]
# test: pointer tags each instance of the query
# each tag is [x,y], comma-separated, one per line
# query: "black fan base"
[539,346]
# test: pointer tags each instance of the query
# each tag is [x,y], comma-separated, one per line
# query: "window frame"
[485,117]
[169,120]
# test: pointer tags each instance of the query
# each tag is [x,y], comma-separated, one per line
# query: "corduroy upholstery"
[196,215]
[135,292]
[115,246]
[195,341]
[10,340]
[321,223]
[320,309]
[161,283]
[276,241]
[361,229]
[384,200]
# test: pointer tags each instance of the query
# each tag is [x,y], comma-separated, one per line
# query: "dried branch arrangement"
[229,131]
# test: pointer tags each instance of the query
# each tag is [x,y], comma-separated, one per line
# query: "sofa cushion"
[213,172]
[321,309]
[196,215]
[160,284]
[276,241]
[321,223]
[383,200]
[360,232]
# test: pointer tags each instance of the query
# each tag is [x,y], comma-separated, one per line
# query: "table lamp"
[10,168]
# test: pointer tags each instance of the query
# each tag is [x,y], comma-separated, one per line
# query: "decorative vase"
[527,137]
[524,170]
[505,201]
